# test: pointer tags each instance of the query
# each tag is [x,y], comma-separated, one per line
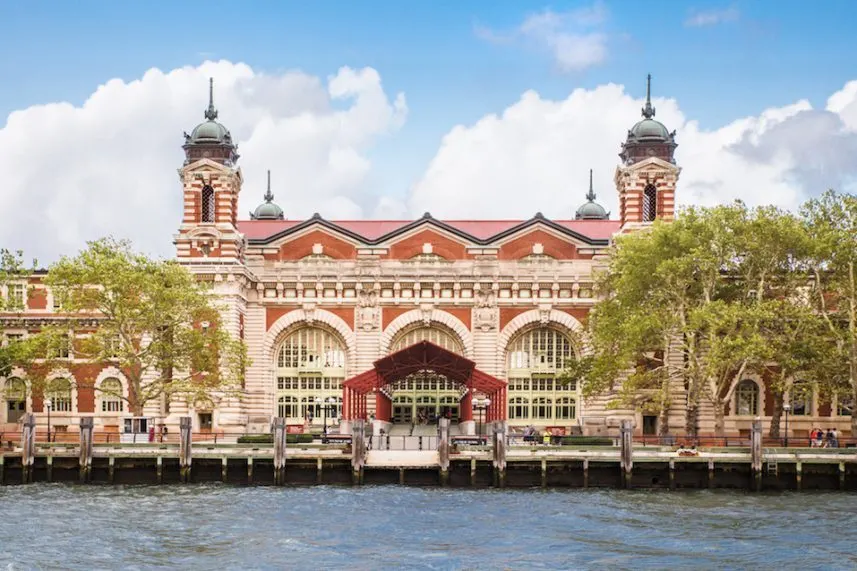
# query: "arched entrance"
[423,362]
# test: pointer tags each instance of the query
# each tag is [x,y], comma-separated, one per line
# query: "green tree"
[13,284]
[151,319]
[831,221]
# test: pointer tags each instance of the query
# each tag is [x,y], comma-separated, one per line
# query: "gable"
[412,245]
[551,245]
[301,246]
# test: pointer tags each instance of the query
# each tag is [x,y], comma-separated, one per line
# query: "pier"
[443,463]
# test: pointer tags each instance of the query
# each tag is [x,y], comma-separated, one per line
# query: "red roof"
[372,230]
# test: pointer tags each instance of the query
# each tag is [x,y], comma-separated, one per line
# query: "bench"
[472,440]
[336,438]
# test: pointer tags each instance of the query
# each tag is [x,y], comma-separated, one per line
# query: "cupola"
[210,139]
[648,138]
[591,210]
[268,210]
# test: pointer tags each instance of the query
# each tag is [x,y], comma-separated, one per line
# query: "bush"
[586,441]
[269,439]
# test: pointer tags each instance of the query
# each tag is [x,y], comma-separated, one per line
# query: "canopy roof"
[424,356]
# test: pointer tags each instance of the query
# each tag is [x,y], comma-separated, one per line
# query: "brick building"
[321,303]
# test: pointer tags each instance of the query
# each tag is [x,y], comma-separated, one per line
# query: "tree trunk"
[664,421]
[774,431]
[719,418]
[691,424]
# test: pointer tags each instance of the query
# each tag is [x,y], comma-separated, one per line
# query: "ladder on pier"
[770,462]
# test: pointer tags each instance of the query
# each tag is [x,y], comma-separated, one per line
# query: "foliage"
[697,303]
[12,271]
[154,322]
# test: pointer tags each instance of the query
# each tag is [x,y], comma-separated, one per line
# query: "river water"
[47,526]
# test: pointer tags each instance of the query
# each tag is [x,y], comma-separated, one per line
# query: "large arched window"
[747,398]
[533,360]
[650,203]
[428,394]
[111,395]
[59,391]
[207,204]
[15,397]
[310,366]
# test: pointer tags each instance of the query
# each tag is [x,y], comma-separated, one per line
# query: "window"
[205,421]
[533,360]
[15,395]
[519,407]
[59,392]
[207,204]
[436,335]
[650,203]
[310,364]
[111,395]
[747,398]
[801,397]
[844,405]
[60,347]
[566,408]
[15,297]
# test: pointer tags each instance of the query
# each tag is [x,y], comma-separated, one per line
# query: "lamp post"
[786,408]
[481,405]
[325,404]
[48,405]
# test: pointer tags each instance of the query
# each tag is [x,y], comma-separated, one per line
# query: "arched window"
[650,203]
[519,407]
[111,395]
[207,204]
[747,398]
[566,408]
[59,391]
[15,396]
[310,364]
[801,398]
[437,335]
[533,360]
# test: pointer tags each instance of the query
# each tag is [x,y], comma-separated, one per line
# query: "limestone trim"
[427,316]
[543,317]
[308,317]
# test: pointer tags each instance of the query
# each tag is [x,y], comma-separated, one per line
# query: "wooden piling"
[279,451]
[499,453]
[319,471]
[473,471]
[85,460]
[585,472]
[756,454]
[28,447]
[798,475]
[358,450]
[443,449]
[710,473]
[185,453]
[544,472]
[249,469]
[159,469]
[626,446]
[224,469]
[2,469]
[111,468]
[50,467]
[672,474]
[842,475]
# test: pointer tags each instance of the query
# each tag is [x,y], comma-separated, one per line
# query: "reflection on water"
[194,527]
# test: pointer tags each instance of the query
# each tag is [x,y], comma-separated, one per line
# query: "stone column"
[85,462]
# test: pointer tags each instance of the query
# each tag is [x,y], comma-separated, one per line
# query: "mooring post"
[224,469]
[473,471]
[710,473]
[319,471]
[443,449]
[85,461]
[279,451]
[358,450]
[586,472]
[842,475]
[672,474]
[28,447]
[756,454]
[2,471]
[626,451]
[111,468]
[499,453]
[185,454]
[159,469]
[249,469]
[49,461]
[544,480]
[798,475]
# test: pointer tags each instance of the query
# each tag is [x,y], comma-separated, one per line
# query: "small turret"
[648,138]
[268,210]
[591,210]
[210,139]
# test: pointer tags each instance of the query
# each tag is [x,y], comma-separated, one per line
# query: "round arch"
[308,318]
[426,317]
[533,317]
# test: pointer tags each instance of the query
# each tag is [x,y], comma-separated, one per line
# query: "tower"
[647,177]
[211,183]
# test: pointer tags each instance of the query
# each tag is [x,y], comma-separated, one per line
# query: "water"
[47,526]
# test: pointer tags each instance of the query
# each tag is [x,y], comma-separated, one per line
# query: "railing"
[401,442]
[740,440]
[73,437]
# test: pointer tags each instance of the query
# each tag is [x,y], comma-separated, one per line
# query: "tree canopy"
[150,318]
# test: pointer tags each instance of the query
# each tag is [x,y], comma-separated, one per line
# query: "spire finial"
[648,110]
[590,196]
[211,112]
[269,197]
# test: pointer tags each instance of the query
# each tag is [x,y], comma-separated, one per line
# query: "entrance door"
[650,425]
[403,413]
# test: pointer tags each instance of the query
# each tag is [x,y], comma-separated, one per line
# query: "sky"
[388,109]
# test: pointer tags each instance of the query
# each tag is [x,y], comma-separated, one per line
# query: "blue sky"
[455,61]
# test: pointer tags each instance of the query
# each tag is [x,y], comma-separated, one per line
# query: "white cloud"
[712,17]
[109,166]
[536,155]
[575,39]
